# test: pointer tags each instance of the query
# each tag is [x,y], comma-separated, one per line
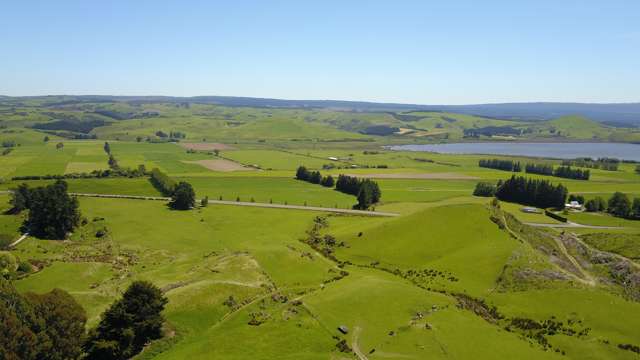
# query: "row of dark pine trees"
[535,192]
[366,190]
[565,171]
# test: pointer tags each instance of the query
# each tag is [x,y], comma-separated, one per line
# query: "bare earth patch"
[220,165]
[206,146]
[432,176]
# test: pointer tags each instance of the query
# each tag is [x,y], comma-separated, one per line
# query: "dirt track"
[570,224]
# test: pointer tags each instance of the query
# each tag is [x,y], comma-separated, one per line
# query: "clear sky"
[426,52]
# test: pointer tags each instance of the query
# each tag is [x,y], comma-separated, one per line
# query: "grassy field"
[451,277]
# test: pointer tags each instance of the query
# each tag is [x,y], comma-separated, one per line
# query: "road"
[354,345]
[244,203]
[570,224]
[15,243]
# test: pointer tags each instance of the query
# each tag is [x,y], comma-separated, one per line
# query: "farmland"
[451,276]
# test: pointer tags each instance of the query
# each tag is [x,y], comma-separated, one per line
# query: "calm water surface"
[553,150]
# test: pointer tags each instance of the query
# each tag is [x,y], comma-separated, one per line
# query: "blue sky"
[427,52]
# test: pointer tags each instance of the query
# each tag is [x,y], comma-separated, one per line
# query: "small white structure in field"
[531,210]
[333,158]
[573,205]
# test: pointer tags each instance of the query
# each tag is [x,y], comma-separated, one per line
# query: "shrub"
[24,267]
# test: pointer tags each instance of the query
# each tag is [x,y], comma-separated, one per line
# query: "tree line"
[162,182]
[506,165]
[314,177]
[534,192]
[609,164]
[571,173]
[52,325]
[542,169]
[366,190]
[95,174]
[564,171]
[619,204]
[183,197]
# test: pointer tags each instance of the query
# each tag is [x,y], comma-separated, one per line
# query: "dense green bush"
[52,211]
[595,205]
[484,189]
[47,326]
[534,192]
[507,165]
[542,169]
[183,197]
[571,173]
[129,324]
[619,205]
[162,182]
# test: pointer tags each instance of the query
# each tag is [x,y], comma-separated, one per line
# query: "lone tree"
[128,324]
[52,212]
[183,198]
[107,147]
[368,195]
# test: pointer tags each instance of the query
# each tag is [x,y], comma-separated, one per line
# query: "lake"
[549,150]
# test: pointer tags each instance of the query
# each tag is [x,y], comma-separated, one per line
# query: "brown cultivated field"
[206,146]
[220,165]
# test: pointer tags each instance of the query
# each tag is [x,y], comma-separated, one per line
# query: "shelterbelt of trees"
[183,197]
[564,171]
[518,189]
[366,190]
[543,194]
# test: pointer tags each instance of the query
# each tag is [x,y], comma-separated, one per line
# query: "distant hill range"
[617,114]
